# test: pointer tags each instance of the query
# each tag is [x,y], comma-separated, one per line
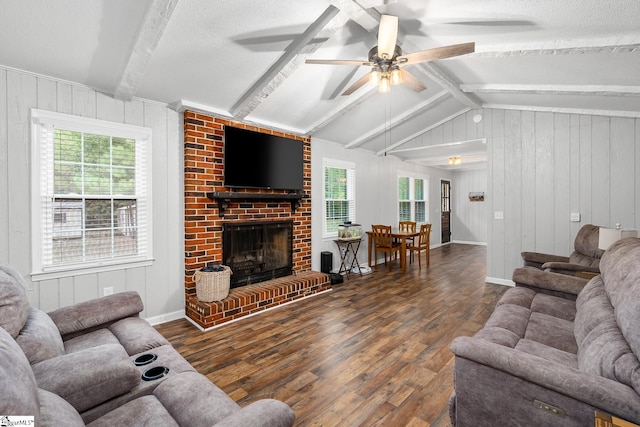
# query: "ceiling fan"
[387,60]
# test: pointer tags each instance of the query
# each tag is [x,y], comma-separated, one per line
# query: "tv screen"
[259,160]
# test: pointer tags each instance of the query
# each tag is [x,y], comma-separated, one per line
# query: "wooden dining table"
[403,236]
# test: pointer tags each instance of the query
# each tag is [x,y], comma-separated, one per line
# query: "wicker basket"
[212,285]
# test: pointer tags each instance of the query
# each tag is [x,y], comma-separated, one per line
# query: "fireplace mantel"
[224,198]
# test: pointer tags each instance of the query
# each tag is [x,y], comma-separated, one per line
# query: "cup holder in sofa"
[145,359]
[155,373]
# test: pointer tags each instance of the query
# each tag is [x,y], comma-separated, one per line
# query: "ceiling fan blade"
[437,53]
[411,81]
[387,36]
[356,62]
[357,85]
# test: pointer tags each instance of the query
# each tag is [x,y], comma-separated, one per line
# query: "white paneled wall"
[160,285]
[542,167]
[468,219]
[376,194]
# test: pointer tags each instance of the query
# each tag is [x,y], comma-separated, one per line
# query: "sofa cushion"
[498,336]
[55,411]
[600,350]
[18,389]
[39,338]
[551,331]
[547,353]
[586,246]
[622,284]
[554,306]
[145,411]
[211,406]
[518,296]
[511,317]
[90,339]
[14,304]
[89,377]
[593,309]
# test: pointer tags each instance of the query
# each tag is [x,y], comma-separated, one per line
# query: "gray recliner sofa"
[555,349]
[98,363]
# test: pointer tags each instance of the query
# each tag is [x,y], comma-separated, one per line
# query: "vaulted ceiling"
[246,60]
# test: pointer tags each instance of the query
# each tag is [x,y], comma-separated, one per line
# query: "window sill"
[89,269]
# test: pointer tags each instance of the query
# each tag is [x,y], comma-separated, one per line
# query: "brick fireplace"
[206,218]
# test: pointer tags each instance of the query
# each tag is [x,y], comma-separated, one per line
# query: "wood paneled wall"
[468,219]
[542,167]
[160,285]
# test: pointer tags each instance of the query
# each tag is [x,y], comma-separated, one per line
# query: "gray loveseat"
[555,349]
[98,363]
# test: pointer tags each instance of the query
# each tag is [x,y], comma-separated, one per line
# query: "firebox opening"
[257,251]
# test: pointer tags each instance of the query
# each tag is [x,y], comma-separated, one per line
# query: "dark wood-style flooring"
[373,351]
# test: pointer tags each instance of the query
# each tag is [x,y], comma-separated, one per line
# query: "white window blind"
[339,195]
[92,193]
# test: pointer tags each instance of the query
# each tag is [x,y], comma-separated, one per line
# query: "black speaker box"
[326,262]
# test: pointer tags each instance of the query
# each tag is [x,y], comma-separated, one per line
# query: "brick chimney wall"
[204,173]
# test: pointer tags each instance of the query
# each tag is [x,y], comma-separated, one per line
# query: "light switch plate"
[575,217]
[498,215]
[108,291]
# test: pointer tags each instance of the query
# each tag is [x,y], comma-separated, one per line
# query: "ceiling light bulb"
[396,76]
[385,85]
[374,77]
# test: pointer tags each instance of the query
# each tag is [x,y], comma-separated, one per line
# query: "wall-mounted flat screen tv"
[259,160]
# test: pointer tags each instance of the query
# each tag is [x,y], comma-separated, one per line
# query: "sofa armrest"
[96,313]
[596,391]
[192,399]
[88,377]
[262,413]
[536,259]
[560,285]
[568,268]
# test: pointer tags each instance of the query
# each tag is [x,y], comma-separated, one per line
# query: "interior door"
[445,208]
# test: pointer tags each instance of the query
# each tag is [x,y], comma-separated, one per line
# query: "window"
[339,195]
[91,194]
[412,199]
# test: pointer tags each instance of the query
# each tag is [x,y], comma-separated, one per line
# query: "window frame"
[350,169]
[412,200]
[42,125]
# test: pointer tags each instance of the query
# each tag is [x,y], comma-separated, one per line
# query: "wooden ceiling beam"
[153,26]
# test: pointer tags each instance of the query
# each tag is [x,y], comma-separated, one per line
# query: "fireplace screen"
[257,251]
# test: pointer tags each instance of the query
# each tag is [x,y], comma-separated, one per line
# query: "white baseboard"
[498,281]
[463,242]
[164,318]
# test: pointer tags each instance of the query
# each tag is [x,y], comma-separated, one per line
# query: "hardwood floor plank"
[373,351]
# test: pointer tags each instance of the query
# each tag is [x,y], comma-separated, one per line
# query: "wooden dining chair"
[408,226]
[424,239]
[383,242]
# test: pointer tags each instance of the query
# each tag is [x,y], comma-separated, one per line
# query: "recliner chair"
[584,259]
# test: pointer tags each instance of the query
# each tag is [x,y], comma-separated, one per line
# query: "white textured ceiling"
[245,60]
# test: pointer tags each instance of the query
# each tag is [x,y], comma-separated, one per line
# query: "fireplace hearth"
[257,251]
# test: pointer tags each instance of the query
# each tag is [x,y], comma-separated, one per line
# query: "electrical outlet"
[575,217]
[498,215]
[107,291]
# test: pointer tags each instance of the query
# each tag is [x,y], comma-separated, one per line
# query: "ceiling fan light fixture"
[396,76]
[374,77]
[385,85]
